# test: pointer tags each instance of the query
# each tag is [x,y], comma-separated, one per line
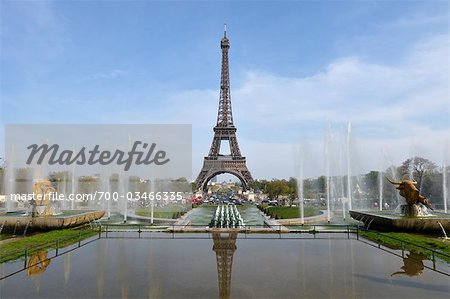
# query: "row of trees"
[429,179]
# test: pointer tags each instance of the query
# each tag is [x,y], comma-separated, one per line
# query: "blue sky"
[297,67]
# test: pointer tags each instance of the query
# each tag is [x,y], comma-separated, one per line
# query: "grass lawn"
[13,249]
[168,212]
[290,212]
[419,240]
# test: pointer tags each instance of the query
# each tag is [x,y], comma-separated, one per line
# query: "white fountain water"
[152,201]
[151,191]
[380,190]
[226,216]
[125,185]
[10,188]
[393,173]
[443,230]
[64,205]
[123,189]
[342,180]
[73,189]
[411,168]
[105,187]
[349,177]
[444,187]
[300,193]
[301,197]
[10,180]
[338,171]
[327,170]
[92,188]
[382,174]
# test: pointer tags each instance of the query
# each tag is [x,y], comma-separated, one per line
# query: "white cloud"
[401,109]
[350,88]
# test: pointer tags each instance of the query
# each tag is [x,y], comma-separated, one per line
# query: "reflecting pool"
[227,265]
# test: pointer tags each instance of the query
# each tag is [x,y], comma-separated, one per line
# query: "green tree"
[259,185]
[88,184]
[194,186]
[309,189]
[322,184]
[432,187]
[371,183]
[419,167]
[293,192]
[275,188]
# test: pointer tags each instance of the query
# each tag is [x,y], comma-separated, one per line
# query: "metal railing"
[402,244]
[60,246]
[137,231]
[286,231]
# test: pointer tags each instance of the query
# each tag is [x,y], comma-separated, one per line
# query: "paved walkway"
[132,216]
[273,224]
[184,220]
[306,220]
[278,225]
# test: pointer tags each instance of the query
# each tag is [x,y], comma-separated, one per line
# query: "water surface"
[266,267]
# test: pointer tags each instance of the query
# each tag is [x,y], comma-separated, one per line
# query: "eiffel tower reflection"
[224,246]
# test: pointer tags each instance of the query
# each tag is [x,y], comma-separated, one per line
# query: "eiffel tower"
[224,247]
[216,163]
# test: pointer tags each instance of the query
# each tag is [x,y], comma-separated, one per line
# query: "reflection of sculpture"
[37,263]
[224,246]
[412,197]
[412,264]
[42,190]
